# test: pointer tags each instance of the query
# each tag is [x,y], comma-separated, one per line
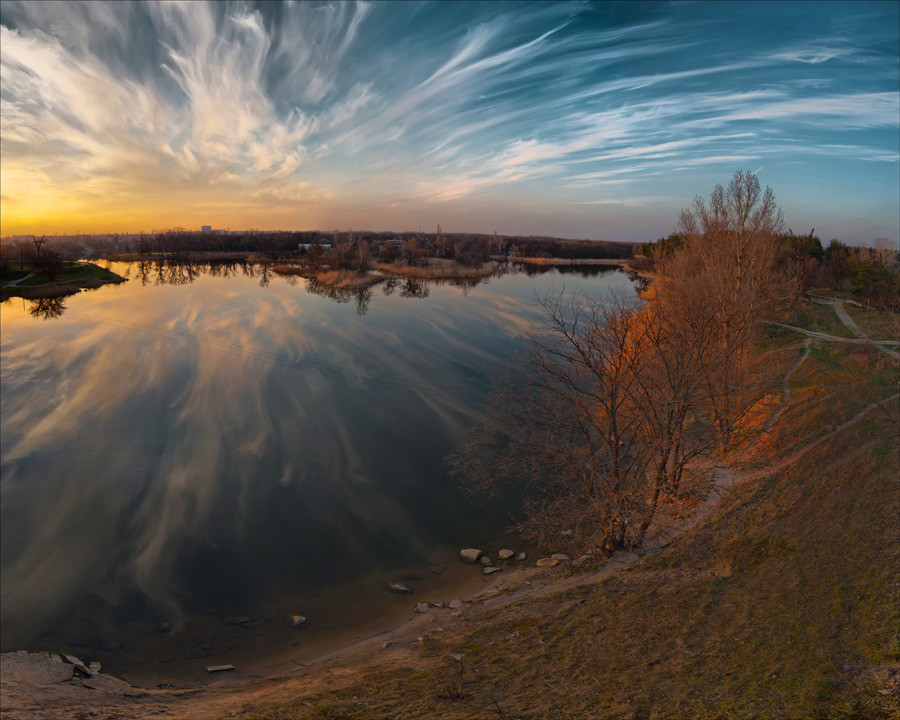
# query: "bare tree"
[38,243]
[363,257]
[726,278]
[610,411]
[47,260]
[617,395]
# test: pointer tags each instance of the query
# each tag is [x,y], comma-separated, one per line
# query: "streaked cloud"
[140,115]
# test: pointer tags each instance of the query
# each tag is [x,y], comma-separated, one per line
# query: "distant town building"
[206,228]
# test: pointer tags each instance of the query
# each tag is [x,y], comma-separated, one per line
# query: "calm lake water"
[210,439]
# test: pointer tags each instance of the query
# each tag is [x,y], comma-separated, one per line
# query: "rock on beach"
[38,668]
[469,555]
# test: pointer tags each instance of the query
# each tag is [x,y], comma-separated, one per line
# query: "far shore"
[351,280]
[617,262]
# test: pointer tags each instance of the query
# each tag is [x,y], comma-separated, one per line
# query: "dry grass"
[876,325]
[812,316]
[336,279]
[345,279]
[440,269]
[292,269]
[571,261]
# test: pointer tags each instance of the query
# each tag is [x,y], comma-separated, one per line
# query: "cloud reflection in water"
[216,441]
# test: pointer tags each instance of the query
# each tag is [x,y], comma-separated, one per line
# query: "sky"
[574,119]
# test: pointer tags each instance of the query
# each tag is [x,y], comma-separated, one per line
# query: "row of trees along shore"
[615,396]
[869,272]
[339,249]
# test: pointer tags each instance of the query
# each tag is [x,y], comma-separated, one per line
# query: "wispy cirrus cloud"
[109,107]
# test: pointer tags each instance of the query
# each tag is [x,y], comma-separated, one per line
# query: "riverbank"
[71,278]
[776,597]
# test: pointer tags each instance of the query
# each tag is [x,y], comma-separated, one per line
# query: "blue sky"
[568,119]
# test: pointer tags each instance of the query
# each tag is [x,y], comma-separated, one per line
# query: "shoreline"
[340,617]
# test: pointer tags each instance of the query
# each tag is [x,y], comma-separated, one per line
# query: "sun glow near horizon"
[566,119]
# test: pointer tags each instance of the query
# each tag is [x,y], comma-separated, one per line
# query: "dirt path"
[15,283]
[834,338]
[837,305]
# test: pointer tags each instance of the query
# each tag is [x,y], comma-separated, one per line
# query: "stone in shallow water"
[399,589]
[521,556]
[485,560]
[469,555]
[298,620]
[562,557]
[422,607]
[455,604]
[490,570]
[219,668]
[505,554]
[547,562]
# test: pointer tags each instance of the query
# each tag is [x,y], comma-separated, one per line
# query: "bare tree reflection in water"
[339,295]
[47,308]
[183,271]
[414,289]
[363,298]
[390,285]
[265,275]
[142,271]
[466,284]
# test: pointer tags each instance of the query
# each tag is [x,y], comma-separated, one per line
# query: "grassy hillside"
[783,604]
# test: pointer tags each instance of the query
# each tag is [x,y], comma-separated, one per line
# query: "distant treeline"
[467,248]
[871,273]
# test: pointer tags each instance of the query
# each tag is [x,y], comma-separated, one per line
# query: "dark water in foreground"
[210,442]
